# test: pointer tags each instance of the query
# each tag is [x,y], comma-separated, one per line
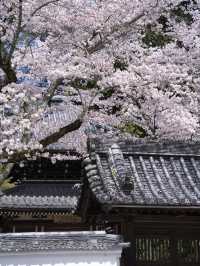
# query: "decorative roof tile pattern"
[41,196]
[62,241]
[139,173]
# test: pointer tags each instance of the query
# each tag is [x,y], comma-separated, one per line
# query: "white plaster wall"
[62,259]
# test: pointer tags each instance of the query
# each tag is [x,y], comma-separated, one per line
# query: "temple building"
[147,192]
[45,197]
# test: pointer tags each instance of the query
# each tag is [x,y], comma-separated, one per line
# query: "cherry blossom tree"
[133,62]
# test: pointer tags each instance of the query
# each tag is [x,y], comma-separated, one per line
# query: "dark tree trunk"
[10,74]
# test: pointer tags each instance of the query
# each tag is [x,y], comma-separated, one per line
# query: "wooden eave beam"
[148,210]
[129,206]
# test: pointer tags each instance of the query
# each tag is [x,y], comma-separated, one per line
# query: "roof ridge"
[60,241]
[166,146]
[70,233]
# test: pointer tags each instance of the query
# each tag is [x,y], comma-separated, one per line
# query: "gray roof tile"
[52,120]
[139,173]
[41,196]
[72,241]
[75,141]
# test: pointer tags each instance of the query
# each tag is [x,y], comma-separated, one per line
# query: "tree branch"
[20,27]
[17,32]
[21,155]
[51,91]
[123,28]
[38,9]
[63,131]
[101,44]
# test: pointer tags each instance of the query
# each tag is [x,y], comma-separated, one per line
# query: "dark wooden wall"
[48,224]
[156,238]
[161,241]
[43,169]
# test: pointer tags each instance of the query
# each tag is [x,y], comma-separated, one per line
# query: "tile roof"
[45,197]
[58,241]
[54,119]
[76,140]
[143,173]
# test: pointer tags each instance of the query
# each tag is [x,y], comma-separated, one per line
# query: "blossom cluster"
[127,61]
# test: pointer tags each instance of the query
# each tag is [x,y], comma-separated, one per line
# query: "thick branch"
[62,131]
[9,72]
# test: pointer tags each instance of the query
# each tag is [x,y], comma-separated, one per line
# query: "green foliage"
[181,15]
[181,12]
[155,39]
[84,84]
[120,63]
[164,22]
[107,93]
[91,84]
[3,168]
[5,181]
[11,19]
[6,184]
[134,129]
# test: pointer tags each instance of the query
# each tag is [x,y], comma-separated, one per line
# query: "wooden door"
[174,248]
[152,250]
[188,249]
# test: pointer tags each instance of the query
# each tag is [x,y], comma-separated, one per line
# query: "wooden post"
[173,247]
